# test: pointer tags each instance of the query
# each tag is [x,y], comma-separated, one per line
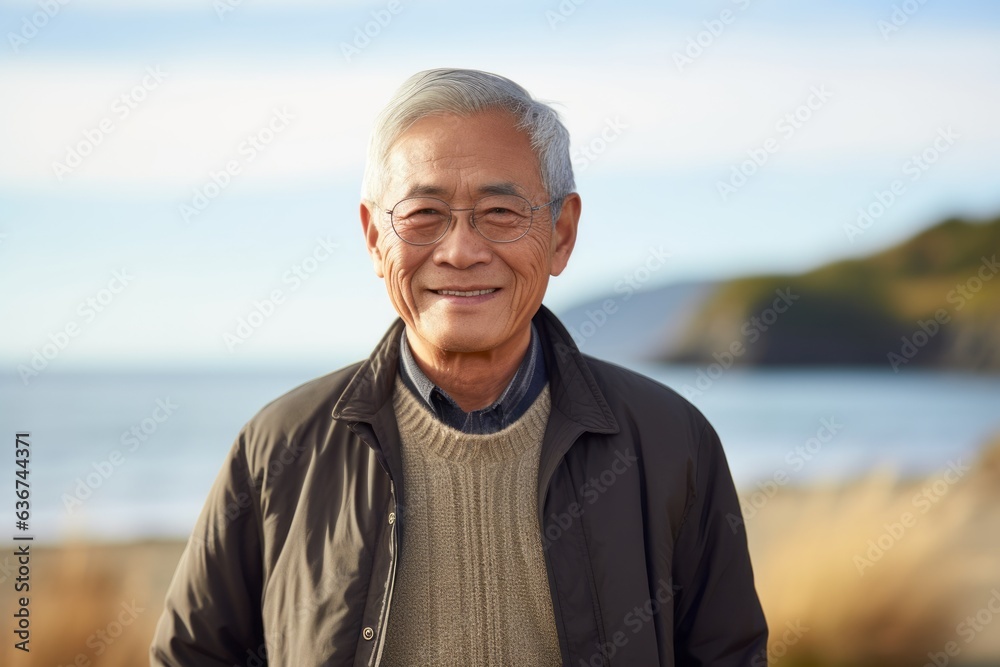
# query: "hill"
[636,324]
[932,301]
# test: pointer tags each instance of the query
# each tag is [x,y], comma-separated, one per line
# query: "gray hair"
[465,92]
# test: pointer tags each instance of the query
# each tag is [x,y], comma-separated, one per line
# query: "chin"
[463,338]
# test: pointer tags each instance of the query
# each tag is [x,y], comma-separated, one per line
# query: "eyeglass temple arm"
[548,203]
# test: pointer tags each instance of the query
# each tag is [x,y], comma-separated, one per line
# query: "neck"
[474,380]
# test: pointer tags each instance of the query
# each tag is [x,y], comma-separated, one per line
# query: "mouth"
[465,293]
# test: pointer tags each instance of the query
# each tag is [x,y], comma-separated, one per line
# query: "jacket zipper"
[389,584]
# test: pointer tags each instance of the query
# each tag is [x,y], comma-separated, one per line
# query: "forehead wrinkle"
[430,190]
[501,188]
[441,162]
[425,190]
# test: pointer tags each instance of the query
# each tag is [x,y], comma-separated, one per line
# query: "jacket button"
[368,633]
[392,518]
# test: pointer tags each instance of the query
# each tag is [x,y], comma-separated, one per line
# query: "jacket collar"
[372,384]
[572,387]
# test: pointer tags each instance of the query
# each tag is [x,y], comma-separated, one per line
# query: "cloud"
[198,118]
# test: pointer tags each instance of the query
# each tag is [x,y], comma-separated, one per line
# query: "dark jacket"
[297,545]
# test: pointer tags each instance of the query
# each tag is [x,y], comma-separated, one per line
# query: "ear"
[369,226]
[564,233]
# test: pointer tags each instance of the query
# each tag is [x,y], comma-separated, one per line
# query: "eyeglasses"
[497,218]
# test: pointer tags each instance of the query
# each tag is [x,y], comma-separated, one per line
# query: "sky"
[169,169]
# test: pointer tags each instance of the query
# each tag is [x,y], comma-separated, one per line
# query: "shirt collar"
[409,369]
[512,402]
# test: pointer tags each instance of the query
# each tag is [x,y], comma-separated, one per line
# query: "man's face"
[459,160]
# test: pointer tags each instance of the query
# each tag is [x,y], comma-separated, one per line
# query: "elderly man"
[477,492]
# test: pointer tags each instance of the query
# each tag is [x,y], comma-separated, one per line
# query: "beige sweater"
[471,587]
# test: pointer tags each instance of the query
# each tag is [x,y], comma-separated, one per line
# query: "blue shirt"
[524,388]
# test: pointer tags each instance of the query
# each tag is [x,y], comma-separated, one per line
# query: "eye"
[500,216]
[420,210]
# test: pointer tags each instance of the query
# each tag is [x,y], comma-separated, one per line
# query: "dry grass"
[93,605]
[894,603]
[804,542]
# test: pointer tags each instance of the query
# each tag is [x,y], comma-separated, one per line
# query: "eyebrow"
[502,188]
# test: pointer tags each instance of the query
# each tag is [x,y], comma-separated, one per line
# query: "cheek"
[531,263]
[400,264]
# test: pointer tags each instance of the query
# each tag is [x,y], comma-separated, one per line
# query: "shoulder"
[680,450]
[618,382]
[306,401]
[297,419]
[645,405]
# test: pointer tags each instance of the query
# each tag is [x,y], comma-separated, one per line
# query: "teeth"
[475,292]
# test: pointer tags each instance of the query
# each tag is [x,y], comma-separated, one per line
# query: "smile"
[475,292]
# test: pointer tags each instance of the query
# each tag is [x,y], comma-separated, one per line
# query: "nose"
[462,246]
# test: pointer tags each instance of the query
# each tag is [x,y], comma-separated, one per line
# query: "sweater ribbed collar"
[419,425]
[513,402]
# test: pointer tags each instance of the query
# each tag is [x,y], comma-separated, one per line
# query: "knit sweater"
[471,587]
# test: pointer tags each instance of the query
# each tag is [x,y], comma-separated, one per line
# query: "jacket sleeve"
[719,620]
[212,613]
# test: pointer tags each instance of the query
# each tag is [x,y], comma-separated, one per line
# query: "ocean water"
[807,424]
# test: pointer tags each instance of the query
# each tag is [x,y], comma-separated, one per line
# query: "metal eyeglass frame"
[472,219]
